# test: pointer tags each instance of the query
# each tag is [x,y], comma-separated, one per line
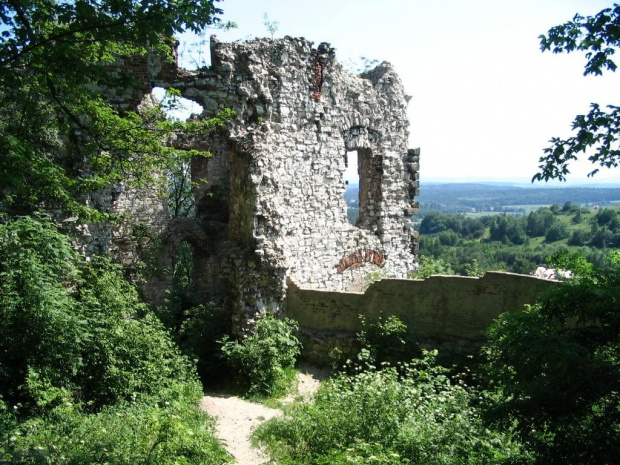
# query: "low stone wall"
[452,310]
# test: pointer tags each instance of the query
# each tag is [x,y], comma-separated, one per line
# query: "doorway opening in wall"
[352,181]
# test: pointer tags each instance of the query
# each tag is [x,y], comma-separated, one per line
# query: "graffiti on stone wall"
[358,258]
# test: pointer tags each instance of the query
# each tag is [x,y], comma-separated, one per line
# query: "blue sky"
[485,99]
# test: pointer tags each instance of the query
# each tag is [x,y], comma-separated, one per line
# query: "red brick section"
[359,257]
[321,58]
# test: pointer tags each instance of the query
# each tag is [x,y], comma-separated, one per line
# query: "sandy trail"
[238,418]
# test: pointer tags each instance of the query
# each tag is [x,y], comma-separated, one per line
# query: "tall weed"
[410,414]
[173,432]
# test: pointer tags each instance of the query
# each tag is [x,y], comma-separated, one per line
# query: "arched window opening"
[176,107]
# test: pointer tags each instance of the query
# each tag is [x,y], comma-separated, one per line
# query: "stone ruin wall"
[449,313]
[272,205]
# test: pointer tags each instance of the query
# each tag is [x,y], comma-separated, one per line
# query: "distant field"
[480,214]
[528,208]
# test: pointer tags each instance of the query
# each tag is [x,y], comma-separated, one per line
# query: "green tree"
[579,238]
[272,26]
[430,266]
[557,232]
[539,222]
[449,238]
[433,222]
[607,217]
[60,136]
[473,269]
[569,207]
[556,367]
[505,228]
[599,37]
[263,362]
[472,228]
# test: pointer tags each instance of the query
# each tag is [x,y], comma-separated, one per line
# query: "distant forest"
[468,229]
[498,197]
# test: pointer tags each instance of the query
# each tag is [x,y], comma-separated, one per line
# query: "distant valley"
[486,198]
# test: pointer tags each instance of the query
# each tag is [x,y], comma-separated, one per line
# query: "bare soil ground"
[238,418]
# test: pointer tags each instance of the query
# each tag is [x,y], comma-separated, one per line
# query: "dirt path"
[237,418]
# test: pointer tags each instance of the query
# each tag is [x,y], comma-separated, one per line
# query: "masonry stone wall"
[448,310]
[277,188]
[269,201]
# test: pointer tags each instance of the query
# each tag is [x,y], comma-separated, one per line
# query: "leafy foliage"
[74,327]
[592,234]
[203,326]
[171,433]
[557,232]
[556,367]
[434,222]
[383,339]
[196,327]
[430,266]
[539,222]
[507,229]
[88,374]
[60,136]
[260,361]
[414,414]
[271,26]
[599,37]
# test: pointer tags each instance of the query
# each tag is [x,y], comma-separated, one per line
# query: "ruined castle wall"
[452,309]
[145,206]
[269,202]
[298,114]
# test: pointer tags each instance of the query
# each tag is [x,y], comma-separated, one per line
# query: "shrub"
[87,373]
[430,266]
[260,361]
[203,326]
[504,228]
[415,414]
[556,367]
[539,222]
[77,326]
[127,353]
[383,340]
[557,232]
[579,238]
[39,329]
[473,269]
[196,327]
[449,238]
